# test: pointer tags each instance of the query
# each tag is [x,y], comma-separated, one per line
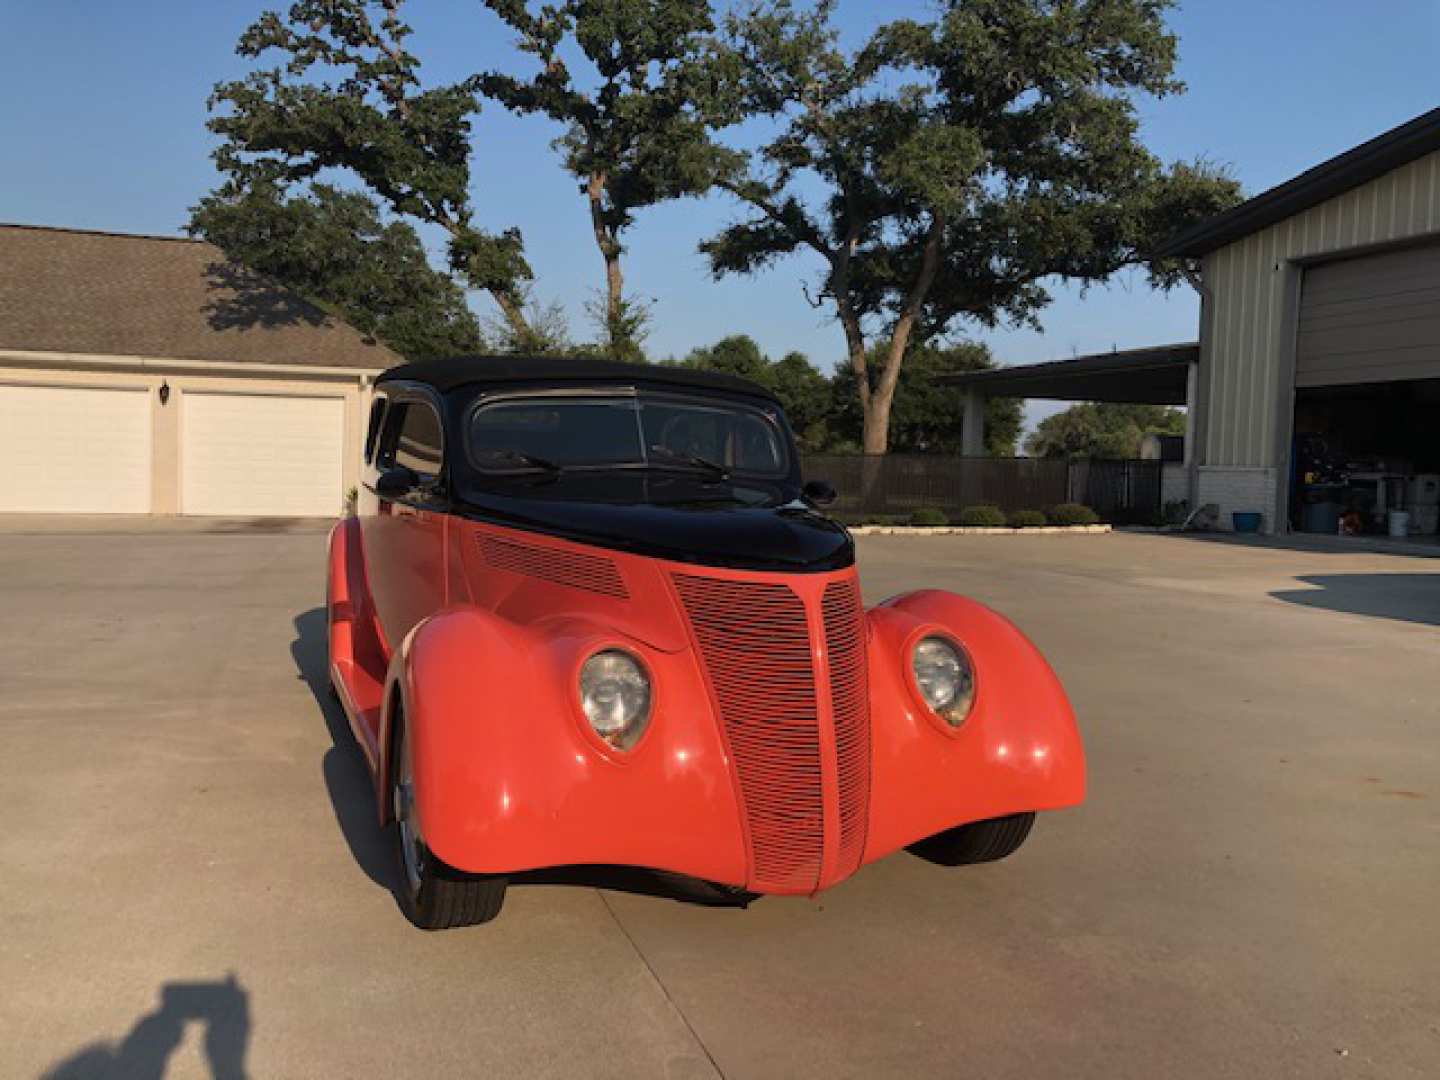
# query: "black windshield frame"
[786,469]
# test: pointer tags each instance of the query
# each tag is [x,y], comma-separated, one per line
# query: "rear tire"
[433,895]
[978,842]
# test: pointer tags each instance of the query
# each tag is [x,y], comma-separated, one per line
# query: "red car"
[589,614]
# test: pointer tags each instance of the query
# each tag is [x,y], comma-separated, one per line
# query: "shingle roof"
[67,290]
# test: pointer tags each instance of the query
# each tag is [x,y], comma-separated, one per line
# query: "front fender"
[1019,750]
[509,776]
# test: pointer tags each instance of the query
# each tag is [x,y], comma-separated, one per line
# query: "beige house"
[149,375]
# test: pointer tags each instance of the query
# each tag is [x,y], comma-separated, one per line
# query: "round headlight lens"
[945,678]
[615,696]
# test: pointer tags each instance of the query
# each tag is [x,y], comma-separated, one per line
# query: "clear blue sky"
[103,106]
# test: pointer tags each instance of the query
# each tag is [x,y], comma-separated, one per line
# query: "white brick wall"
[1174,483]
[1235,488]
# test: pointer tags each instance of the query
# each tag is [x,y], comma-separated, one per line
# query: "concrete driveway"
[192,879]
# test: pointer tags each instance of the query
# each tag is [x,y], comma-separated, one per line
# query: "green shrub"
[1175,512]
[883,519]
[928,515]
[1072,514]
[985,515]
[1026,519]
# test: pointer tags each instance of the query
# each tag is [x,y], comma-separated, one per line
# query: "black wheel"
[980,841]
[434,896]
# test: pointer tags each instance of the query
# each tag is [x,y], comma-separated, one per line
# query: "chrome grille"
[850,706]
[755,646]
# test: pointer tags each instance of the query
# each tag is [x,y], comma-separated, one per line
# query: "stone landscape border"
[975,530]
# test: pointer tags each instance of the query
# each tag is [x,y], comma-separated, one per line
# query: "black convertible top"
[459,371]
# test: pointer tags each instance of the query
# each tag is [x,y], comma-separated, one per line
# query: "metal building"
[1320,313]
[1314,394]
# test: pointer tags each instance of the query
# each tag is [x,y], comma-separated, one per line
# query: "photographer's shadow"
[222,1007]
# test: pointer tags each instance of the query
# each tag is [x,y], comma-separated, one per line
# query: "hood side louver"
[574,569]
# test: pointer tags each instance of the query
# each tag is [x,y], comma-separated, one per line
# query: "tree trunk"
[609,247]
[514,312]
[877,408]
[876,437]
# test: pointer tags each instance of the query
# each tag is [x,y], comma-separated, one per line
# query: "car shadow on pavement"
[637,881]
[1404,597]
[223,1007]
[347,777]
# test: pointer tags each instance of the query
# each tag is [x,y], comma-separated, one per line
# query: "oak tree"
[633,133]
[345,93]
[944,170]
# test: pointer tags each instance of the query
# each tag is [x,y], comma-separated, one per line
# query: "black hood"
[709,531]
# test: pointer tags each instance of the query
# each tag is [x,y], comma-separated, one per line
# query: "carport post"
[972,425]
[1192,434]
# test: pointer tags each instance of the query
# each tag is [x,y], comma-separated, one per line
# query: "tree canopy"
[1102,430]
[959,162]
[333,248]
[942,173]
[345,94]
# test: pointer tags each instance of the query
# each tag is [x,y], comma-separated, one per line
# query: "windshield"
[626,431]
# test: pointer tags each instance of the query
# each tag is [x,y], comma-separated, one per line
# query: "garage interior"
[1366,448]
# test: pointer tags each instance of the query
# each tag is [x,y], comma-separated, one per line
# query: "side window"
[420,441]
[389,435]
[372,433]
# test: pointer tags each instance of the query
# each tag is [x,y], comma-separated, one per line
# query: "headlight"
[945,678]
[615,695]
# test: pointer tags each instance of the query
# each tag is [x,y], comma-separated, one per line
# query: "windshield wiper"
[695,460]
[522,458]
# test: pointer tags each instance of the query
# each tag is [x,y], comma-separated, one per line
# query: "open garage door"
[1367,395]
[75,450]
[1371,319]
[261,455]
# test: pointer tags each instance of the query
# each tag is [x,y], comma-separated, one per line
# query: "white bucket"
[1399,523]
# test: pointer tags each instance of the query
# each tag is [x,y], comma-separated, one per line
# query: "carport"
[1157,375]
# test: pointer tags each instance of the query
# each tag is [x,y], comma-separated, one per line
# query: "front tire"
[433,895]
[977,842]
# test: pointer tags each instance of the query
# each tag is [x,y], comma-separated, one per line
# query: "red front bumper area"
[510,779]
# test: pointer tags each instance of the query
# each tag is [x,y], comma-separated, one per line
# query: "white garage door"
[74,450]
[260,454]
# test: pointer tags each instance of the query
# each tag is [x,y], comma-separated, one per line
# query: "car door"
[405,535]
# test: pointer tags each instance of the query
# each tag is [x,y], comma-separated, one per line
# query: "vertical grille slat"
[755,644]
[844,617]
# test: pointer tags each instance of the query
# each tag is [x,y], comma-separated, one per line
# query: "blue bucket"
[1246,522]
